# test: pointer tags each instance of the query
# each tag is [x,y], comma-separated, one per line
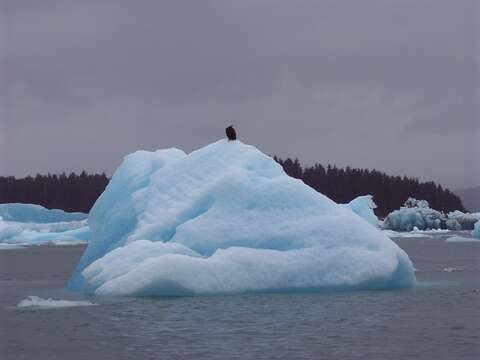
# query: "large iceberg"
[227,219]
[363,206]
[29,224]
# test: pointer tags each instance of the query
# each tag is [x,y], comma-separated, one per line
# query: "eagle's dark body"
[231,133]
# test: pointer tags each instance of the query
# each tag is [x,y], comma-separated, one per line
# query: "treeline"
[78,192]
[389,192]
[68,192]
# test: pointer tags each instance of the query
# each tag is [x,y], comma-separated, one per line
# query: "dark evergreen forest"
[78,192]
[389,192]
[68,192]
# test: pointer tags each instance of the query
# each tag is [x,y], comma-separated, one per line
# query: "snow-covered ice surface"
[35,302]
[363,206]
[26,224]
[227,219]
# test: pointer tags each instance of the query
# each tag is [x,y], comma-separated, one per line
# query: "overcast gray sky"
[383,84]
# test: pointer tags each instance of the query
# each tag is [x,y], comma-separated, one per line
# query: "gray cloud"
[385,84]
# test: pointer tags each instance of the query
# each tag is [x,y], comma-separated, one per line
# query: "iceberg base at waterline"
[227,219]
[155,268]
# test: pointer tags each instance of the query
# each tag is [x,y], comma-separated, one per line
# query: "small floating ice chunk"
[39,303]
[452,269]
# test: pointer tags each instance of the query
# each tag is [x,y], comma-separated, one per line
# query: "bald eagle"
[231,133]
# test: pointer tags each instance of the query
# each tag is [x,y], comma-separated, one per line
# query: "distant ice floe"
[35,302]
[452,269]
[26,224]
[31,213]
[417,214]
[398,234]
[10,246]
[430,231]
[466,221]
[461,239]
[416,233]
[227,219]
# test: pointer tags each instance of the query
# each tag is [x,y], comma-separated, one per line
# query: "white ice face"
[363,206]
[227,219]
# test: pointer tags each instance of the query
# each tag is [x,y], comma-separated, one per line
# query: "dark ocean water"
[439,319]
